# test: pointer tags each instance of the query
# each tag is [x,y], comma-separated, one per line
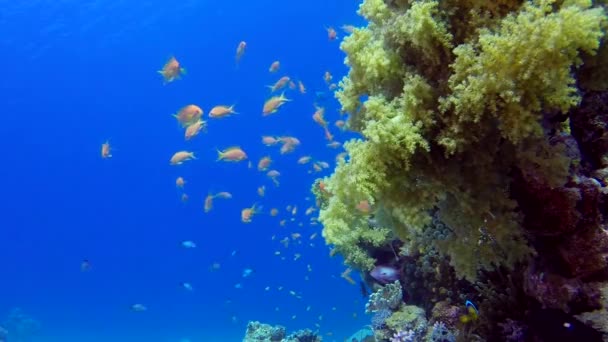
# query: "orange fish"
[240,50]
[331,33]
[223,195]
[301,87]
[194,129]
[328,134]
[340,124]
[179,182]
[189,115]
[221,111]
[261,191]
[334,144]
[364,207]
[348,28]
[172,70]
[327,77]
[272,104]
[287,148]
[280,84]
[233,154]
[274,67]
[319,116]
[269,140]
[208,203]
[274,212]
[273,175]
[304,160]
[264,163]
[181,156]
[248,213]
[106,150]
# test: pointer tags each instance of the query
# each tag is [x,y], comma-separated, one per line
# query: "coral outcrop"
[484,143]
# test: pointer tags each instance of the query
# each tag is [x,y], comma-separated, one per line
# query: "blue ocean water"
[78,73]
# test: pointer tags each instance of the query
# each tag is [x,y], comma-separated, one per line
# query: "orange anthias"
[233,154]
[180,157]
[274,67]
[221,111]
[264,163]
[194,129]
[240,51]
[272,104]
[189,115]
[331,33]
[280,84]
[248,213]
[172,70]
[106,150]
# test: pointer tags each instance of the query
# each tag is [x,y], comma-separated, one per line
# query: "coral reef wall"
[456,101]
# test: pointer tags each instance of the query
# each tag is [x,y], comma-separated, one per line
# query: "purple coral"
[404,336]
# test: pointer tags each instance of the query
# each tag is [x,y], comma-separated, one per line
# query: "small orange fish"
[240,50]
[248,213]
[261,191]
[327,77]
[232,154]
[348,28]
[304,160]
[364,207]
[328,134]
[274,67]
[340,124]
[208,203]
[269,140]
[274,212]
[323,164]
[106,150]
[194,129]
[189,115]
[280,84]
[334,144]
[181,156]
[290,140]
[301,87]
[272,104]
[319,116]
[171,71]
[273,175]
[223,195]
[179,182]
[331,33]
[292,85]
[221,111]
[264,163]
[287,148]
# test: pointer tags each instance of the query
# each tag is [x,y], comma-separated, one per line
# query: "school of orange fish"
[191,119]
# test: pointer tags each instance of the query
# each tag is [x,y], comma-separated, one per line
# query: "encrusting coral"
[448,109]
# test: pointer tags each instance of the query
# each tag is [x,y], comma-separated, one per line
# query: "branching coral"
[447,113]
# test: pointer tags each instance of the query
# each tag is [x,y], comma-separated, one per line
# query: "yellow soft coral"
[447,116]
[523,67]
